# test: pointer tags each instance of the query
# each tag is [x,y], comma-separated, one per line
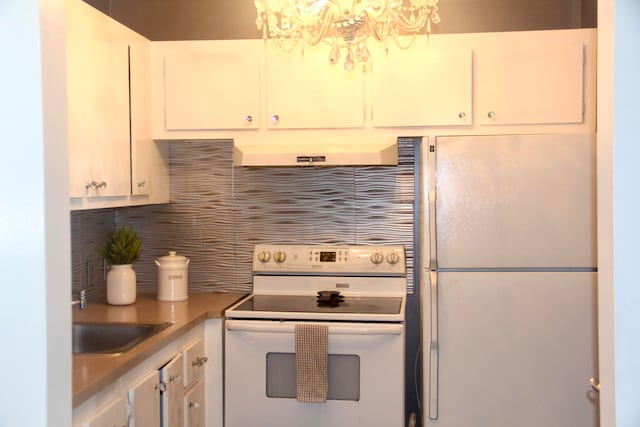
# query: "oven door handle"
[289,327]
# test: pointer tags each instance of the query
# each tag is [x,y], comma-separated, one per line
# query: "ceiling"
[235,19]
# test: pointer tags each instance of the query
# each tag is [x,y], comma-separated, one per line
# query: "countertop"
[92,373]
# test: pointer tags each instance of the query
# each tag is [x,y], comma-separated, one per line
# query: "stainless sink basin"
[112,338]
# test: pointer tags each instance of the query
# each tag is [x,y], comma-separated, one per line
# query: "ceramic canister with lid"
[173,274]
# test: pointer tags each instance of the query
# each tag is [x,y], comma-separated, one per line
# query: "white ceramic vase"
[121,285]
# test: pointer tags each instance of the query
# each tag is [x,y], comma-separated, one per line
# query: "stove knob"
[377,257]
[264,256]
[393,258]
[279,257]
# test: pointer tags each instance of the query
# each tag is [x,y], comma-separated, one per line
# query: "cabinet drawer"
[194,361]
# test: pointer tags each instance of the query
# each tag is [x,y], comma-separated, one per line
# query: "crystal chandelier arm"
[316,31]
[422,12]
[378,29]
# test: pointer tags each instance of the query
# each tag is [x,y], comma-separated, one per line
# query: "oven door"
[365,376]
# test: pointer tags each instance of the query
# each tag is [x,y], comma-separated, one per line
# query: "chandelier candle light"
[343,24]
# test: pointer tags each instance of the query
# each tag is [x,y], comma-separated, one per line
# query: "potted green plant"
[121,250]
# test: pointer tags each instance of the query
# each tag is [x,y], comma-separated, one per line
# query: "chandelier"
[345,25]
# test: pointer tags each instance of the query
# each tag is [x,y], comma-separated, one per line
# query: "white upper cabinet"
[422,87]
[492,83]
[533,83]
[142,145]
[207,85]
[304,91]
[98,103]
[113,160]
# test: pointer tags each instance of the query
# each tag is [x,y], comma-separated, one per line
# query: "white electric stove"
[359,293]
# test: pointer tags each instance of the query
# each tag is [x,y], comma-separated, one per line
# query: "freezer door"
[515,201]
[513,349]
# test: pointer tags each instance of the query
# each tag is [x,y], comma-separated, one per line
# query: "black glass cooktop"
[311,304]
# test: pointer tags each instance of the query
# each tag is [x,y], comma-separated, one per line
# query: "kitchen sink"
[109,338]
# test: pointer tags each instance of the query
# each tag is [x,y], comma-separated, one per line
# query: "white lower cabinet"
[194,399]
[172,375]
[112,415]
[166,390]
[183,392]
[144,401]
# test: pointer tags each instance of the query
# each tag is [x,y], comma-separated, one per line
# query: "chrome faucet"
[82,302]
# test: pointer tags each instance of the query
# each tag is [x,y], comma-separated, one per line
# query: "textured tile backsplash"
[218,212]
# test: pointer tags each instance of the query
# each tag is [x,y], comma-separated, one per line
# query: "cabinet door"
[531,85]
[172,396]
[140,93]
[426,88]
[212,85]
[305,91]
[112,415]
[144,401]
[194,362]
[98,103]
[194,406]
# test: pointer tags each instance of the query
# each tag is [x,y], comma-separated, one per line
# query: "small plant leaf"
[123,246]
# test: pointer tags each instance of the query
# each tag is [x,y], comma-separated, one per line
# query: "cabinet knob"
[200,361]
[175,379]
[393,258]
[141,184]
[101,186]
[279,257]
[275,119]
[194,405]
[491,115]
[462,115]
[264,256]
[248,119]
[91,186]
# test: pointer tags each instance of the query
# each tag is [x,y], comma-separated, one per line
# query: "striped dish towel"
[311,362]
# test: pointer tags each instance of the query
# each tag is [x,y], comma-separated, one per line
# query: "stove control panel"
[348,260]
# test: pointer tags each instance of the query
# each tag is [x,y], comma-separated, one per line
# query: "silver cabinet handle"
[462,115]
[91,186]
[248,118]
[175,379]
[275,119]
[141,184]
[200,361]
[194,405]
[491,114]
[101,186]
[594,384]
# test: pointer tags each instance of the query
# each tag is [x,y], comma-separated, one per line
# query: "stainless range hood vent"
[316,151]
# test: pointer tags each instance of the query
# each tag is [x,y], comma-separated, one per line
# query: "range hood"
[356,150]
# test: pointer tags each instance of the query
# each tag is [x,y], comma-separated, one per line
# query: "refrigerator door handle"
[433,279]
[433,348]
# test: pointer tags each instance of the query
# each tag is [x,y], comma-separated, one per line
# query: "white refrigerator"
[508,283]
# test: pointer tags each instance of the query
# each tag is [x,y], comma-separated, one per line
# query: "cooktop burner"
[323,303]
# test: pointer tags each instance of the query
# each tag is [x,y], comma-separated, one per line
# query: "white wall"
[626,211]
[619,211]
[34,224]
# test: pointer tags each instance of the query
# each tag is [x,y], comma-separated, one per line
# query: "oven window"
[344,376]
